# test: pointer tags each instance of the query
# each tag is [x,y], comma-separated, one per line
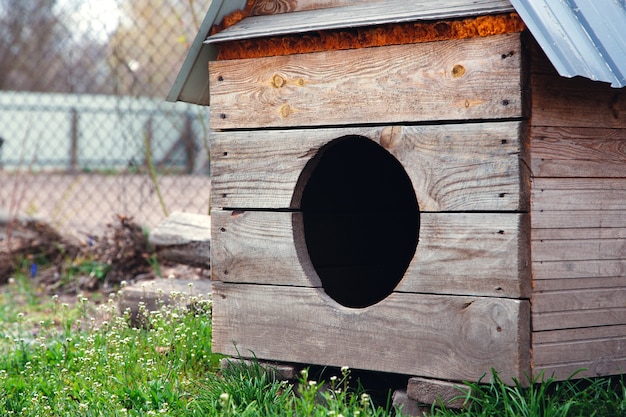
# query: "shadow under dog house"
[412,187]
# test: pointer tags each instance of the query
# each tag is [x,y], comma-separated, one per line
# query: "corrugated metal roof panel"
[580,37]
[392,11]
[192,82]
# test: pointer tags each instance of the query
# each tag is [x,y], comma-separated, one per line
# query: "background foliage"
[82,103]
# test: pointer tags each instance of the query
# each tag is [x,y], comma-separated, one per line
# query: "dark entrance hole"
[361,220]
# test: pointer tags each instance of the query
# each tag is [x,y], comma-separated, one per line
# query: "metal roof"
[192,82]
[580,37]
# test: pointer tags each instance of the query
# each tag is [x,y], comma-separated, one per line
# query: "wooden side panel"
[600,350]
[577,102]
[578,213]
[465,253]
[475,78]
[579,152]
[457,168]
[445,337]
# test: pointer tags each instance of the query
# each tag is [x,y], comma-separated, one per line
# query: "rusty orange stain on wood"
[233,18]
[388,34]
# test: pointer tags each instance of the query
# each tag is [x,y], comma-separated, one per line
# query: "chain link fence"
[85,132]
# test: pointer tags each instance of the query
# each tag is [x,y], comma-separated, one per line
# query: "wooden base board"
[445,337]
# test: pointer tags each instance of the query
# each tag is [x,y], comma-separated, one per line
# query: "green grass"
[544,397]
[84,359]
[69,360]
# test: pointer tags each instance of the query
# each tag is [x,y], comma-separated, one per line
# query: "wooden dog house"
[411,187]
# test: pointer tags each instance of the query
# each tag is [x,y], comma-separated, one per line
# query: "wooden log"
[432,391]
[475,78]
[184,238]
[459,168]
[575,152]
[458,253]
[445,337]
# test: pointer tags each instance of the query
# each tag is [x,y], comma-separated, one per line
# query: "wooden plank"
[432,391]
[582,184]
[575,152]
[563,352]
[579,250]
[588,333]
[578,300]
[578,219]
[578,234]
[184,238]
[452,168]
[445,337]
[578,318]
[447,80]
[599,269]
[569,283]
[579,199]
[259,247]
[471,254]
[576,102]
[269,7]
[355,13]
[584,369]
[579,351]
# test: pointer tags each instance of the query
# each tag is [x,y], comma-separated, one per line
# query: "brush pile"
[62,265]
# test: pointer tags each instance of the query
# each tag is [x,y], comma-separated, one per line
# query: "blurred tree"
[29,37]
[150,44]
[42,50]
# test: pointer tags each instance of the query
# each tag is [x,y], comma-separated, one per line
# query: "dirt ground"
[82,205]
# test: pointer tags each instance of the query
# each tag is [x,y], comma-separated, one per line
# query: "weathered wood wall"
[395,84]
[578,212]
[462,306]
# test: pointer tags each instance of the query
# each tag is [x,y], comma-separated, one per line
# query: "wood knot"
[390,136]
[285,110]
[458,71]
[277,81]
